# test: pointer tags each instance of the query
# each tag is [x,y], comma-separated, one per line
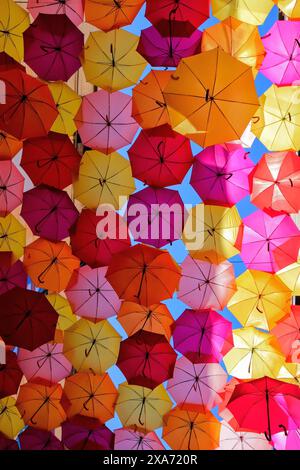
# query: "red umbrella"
[10,375]
[160,157]
[28,320]
[52,160]
[12,273]
[8,63]
[11,187]
[84,433]
[39,439]
[146,359]
[29,110]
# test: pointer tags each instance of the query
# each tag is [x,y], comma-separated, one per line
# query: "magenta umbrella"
[7,444]
[49,212]
[12,273]
[264,234]
[84,433]
[167,51]
[73,9]
[104,121]
[288,441]
[129,439]
[220,174]
[52,46]
[90,294]
[38,439]
[156,216]
[281,64]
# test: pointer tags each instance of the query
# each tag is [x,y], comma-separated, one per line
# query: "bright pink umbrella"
[206,285]
[73,9]
[11,187]
[129,439]
[288,441]
[262,235]
[90,294]
[104,121]
[281,64]
[195,385]
[46,362]
[220,174]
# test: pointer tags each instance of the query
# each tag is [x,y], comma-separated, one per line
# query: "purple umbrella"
[38,439]
[52,47]
[166,51]
[7,444]
[49,212]
[156,216]
[83,433]
[12,273]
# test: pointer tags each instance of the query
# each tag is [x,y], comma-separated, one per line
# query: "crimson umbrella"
[52,46]
[11,187]
[28,320]
[12,273]
[146,359]
[7,444]
[49,212]
[10,375]
[39,439]
[160,157]
[84,433]
[7,62]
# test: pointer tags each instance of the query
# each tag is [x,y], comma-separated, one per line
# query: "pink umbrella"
[281,64]
[262,235]
[195,385]
[11,187]
[46,362]
[241,440]
[288,441]
[38,439]
[90,294]
[128,439]
[206,285]
[73,9]
[220,174]
[104,121]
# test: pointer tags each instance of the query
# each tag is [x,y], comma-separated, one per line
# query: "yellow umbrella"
[290,372]
[103,179]
[12,235]
[67,104]
[255,354]
[92,346]
[249,11]
[218,229]
[66,317]
[261,299]
[290,276]
[13,22]
[110,60]
[11,422]
[291,8]
[141,407]
[277,121]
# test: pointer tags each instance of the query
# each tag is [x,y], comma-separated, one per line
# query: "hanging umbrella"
[49,212]
[135,317]
[255,354]
[7,444]
[90,294]
[290,8]
[249,11]
[146,359]
[206,285]
[8,63]
[83,433]
[261,299]
[29,110]
[197,386]
[27,318]
[9,146]
[103,179]
[211,97]
[191,430]
[128,439]
[66,318]
[142,408]
[73,9]
[14,21]
[287,331]
[12,273]
[160,157]
[167,51]
[104,121]
[143,274]
[289,441]
[241,440]
[220,174]
[202,336]
[149,108]
[87,243]
[40,405]
[10,375]
[92,346]
[111,14]
[111,61]
[91,395]
[39,439]
[67,103]
[44,363]
[12,236]
[11,187]
[51,160]
[290,372]
[50,265]
[11,422]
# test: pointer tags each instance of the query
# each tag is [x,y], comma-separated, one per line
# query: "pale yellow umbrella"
[290,372]
[249,11]
[66,317]
[291,8]
[290,276]
[67,104]
[11,422]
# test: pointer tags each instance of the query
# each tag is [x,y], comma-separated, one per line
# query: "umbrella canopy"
[202,336]
[10,375]
[142,408]
[67,103]
[111,61]
[11,422]
[83,433]
[211,97]
[291,441]
[92,346]
[39,439]
[11,187]
[12,273]
[104,121]
[73,9]
[9,146]
[14,21]
[206,285]
[12,236]
[249,11]
[128,439]
[7,444]
[143,274]
[146,359]
[290,8]
[27,318]
[241,440]
[60,304]
[287,331]
[111,14]
[91,295]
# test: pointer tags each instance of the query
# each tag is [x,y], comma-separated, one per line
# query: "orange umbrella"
[50,265]
[9,146]
[111,14]
[148,103]
[40,405]
[91,395]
